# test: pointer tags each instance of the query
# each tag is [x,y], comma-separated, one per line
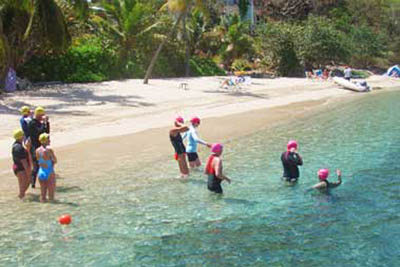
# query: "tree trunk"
[157,53]
[186,39]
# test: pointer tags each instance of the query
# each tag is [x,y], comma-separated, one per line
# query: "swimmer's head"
[179,120]
[25,110]
[44,138]
[291,144]
[39,111]
[217,148]
[195,121]
[323,174]
[18,134]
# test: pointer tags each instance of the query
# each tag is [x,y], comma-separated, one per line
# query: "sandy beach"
[98,127]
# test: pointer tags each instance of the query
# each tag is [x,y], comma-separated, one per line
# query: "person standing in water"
[38,125]
[323,184]
[22,164]
[47,177]
[193,139]
[214,169]
[179,147]
[290,162]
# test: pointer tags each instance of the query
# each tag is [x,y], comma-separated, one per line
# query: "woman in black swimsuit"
[22,163]
[179,147]
[324,184]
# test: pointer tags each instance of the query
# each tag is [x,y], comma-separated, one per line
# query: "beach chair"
[247,81]
[183,86]
[232,83]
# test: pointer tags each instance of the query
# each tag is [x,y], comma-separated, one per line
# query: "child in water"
[290,162]
[214,169]
[193,139]
[47,177]
[179,147]
[323,184]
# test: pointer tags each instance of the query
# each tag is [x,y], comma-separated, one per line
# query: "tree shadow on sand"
[72,95]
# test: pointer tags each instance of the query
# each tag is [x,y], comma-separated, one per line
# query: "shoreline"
[95,156]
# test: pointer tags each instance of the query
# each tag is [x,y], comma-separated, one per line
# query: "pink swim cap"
[291,144]
[195,120]
[323,174]
[179,119]
[216,148]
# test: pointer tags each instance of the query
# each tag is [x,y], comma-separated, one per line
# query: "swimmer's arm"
[28,146]
[53,156]
[218,171]
[320,185]
[339,182]
[180,129]
[299,160]
[197,139]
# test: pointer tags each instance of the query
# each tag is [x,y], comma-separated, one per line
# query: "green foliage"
[320,43]
[87,62]
[205,67]
[360,74]
[243,8]
[241,65]
[276,45]
[366,46]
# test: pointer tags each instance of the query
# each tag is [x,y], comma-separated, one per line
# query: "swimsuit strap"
[209,168]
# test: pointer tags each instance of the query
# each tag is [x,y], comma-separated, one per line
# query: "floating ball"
[65,219]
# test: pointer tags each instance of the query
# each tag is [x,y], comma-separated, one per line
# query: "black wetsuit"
[36,128]
[290,162]
[214,184]
[177,143]
[19,153]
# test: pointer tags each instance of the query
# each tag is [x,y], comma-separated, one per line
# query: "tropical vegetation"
[97,40]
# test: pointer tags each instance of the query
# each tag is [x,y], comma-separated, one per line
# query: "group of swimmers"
[32,155]
[213,169]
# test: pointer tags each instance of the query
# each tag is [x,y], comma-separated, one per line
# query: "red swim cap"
[291,144]
[179,119]
[323,174]
[195,120]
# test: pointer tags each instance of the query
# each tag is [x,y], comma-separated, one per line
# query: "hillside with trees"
[90,41]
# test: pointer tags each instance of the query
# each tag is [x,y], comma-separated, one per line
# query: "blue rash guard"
[193,139]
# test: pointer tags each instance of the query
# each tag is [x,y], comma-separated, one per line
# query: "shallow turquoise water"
[149,218]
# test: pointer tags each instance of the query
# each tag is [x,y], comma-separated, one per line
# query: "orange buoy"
[65,219]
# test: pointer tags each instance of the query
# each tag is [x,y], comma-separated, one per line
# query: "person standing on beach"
[193,139]
[347,73]
[323,184]
[47,177]
[177,142]
[214,169]
[22,165]
[38,125]
[25,119]
[290,162]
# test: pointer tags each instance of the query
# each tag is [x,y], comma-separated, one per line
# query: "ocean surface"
[148,217]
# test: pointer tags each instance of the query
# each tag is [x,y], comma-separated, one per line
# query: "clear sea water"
[150,218]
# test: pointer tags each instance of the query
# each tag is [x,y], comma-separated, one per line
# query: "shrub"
[85,62]
[204,67]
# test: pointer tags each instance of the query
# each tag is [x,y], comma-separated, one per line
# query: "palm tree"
[181,10]
[32,26]
[128,21]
